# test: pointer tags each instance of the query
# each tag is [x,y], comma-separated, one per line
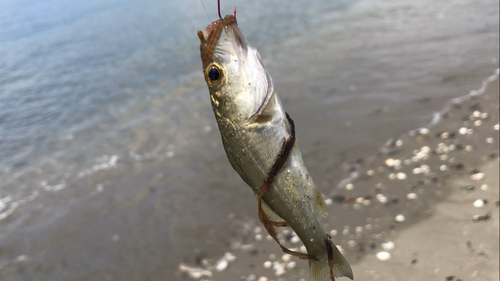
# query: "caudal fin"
[340,266]
[319,270]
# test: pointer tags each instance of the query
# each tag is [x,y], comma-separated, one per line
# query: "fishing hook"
[218,10]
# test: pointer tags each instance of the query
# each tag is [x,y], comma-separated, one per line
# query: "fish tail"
[319,270]
[327,269]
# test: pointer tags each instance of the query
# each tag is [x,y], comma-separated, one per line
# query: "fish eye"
[214,73]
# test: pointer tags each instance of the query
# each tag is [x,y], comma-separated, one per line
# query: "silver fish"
[258,137]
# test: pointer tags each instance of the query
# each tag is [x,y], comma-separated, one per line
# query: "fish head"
[239,85]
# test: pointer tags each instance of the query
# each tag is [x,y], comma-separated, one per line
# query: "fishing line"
[205,10]
[218,8]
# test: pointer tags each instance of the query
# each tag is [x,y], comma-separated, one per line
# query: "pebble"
[370,172]
[489,140]
[425,149]
[411,196]
[279,270]
[263,278]
[221,265]
[425,169]
[268,264]
[477,176]
[400,218]
[195,273]
[388,245]
[381,198]
[328,202]
[443,168]
[479,203]
[383,256]
[21,258]
[482,218]
[295,239]
[484,187]
[462,131]
[496,127]
[224,261]
[291,265]
[333,232]
[258,237]
[349,186]
[392,176]
[478,123]
[286,257]
[401,176]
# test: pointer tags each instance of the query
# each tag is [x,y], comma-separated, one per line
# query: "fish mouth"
[209,40]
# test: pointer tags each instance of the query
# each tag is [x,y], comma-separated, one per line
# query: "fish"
[259,140]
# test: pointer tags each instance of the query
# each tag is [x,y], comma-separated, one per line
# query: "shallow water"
[92,83]
[110,160]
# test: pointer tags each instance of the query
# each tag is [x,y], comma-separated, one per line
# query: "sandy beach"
[453,164]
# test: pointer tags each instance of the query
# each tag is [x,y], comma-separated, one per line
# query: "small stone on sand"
[295,239]
[400,218]
[383,256]
[479,203]
[388,245]
[401,176]
[477,176]
[411,196]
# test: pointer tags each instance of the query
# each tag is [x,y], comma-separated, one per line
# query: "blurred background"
[111,164]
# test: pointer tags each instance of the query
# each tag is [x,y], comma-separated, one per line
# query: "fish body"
[254,126]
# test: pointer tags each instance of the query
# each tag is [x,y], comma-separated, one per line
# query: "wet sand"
[454,164]
[145,217]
